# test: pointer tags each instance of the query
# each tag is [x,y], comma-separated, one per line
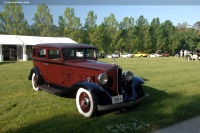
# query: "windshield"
[79,53]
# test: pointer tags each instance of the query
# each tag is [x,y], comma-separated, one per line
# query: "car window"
[54,54]
[79,53]
[90,53]
[42,53]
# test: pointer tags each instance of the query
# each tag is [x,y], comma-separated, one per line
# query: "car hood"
[91,64]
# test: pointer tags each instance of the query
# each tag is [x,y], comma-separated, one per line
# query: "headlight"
[103,78]
[128,75]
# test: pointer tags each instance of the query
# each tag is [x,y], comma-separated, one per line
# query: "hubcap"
[84,102]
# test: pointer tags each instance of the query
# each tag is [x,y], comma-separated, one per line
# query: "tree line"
[129,35]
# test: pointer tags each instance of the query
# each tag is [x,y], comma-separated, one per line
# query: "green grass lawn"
[173,85]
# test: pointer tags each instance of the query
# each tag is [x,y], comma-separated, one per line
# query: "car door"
[54,67]
[40,62]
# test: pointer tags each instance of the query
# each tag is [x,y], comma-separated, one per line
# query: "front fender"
[102,96]
[137,80]
[130,88]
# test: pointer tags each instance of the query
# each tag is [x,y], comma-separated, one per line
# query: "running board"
[53,90]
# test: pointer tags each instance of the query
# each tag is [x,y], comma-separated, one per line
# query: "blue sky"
[175,13]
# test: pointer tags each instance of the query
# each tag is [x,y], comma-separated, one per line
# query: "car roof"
[62,45]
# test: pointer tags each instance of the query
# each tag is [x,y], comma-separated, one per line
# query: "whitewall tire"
[34,82]
[86,103]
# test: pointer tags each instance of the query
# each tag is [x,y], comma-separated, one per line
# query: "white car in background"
[152,55]
[128,55]
[109,56]
[113,56]
[155,55]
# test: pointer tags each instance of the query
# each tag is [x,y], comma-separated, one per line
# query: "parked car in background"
[109,56]
[152,55]
[113,56]
[182,53]
[72,70]
[165,54]
[139,54]
[195,55]
[158,53]
[127,55]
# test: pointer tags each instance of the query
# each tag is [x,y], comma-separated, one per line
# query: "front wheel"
[86,103]
[34,82]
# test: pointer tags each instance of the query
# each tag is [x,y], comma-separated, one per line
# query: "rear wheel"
[34,82]
[86,103]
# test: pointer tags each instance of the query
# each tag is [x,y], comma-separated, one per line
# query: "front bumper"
[120,105]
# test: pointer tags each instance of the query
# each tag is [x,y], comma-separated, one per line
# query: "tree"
[90,21]
[114,33]
[71,21]
[127,23]
[43,21]
[61,25]
[100,38]
[188,36]
[142,28]
[90,25]
[148,43]
[169,31]
[197,26]
[12,20]
[128,34]
[72,25]
[155,23]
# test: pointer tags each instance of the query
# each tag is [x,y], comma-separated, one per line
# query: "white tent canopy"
[10,40]
[63,40]
[47,40]
[22,41]
[29,40]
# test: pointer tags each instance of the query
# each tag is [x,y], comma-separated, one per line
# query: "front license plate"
[117,99]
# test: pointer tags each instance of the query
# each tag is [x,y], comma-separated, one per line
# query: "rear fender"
[37,73]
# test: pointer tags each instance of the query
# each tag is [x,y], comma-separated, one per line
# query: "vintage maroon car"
[72,70]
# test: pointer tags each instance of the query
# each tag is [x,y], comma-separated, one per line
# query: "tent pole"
[1,54]
[25,56]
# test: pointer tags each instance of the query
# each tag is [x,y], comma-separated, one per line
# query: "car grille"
[114,81]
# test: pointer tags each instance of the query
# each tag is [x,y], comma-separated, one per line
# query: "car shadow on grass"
[151,113]
[152,96]
[145,79]
[103,122]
